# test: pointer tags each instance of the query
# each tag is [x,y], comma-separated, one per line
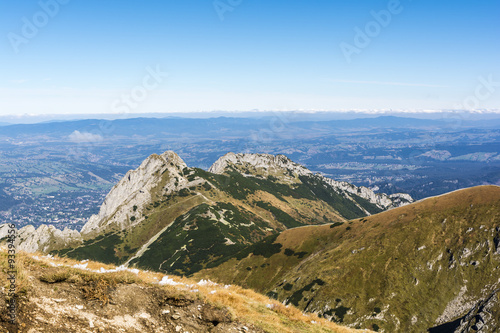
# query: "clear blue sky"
[263,55]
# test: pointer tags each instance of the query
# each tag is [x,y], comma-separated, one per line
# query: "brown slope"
[60,295]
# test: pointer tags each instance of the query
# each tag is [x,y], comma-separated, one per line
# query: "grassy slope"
[198,238]
[373,266]
[117,246]
[49,279]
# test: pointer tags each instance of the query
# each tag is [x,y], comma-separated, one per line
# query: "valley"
[44,167]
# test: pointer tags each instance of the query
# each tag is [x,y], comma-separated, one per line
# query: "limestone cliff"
[126,200]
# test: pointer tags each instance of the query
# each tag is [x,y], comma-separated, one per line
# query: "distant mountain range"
[298,115]
[227,126]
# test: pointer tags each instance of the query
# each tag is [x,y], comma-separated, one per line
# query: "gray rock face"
[43,239]
[381,200]
[129,197]
[287,171]
[265,164]
[481,317]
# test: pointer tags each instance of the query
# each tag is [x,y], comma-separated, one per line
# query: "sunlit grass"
[97,279]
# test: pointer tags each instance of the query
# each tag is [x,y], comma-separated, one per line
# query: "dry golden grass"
[315,209]
[98,290]
[60,275]
[266,313]
[307,207]
[243,304]
[22,280]
[93,267]
[294,238]
[476,195]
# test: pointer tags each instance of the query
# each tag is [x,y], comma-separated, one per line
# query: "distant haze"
[296,115]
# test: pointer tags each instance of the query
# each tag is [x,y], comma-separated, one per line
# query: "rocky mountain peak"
[258,164]
[286,171]
[171,157]
[135,190]
[155,162]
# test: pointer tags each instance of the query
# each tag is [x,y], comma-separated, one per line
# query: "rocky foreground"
[61,295]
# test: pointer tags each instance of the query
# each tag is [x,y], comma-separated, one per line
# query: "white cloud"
[78,137]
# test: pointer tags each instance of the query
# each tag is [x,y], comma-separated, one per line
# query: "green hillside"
[397,271]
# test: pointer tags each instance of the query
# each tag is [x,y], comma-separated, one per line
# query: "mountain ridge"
[245,198]
[280,165]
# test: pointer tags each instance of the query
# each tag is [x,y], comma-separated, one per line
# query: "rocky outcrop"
[259,164]
[44,239]
[381,200]
[481,316]
[287,171]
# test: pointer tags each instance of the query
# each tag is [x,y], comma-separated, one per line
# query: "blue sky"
[90,56]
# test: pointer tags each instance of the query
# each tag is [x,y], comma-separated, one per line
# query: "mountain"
[277,167]
[215,127]
[63,295]
[157,127]
[431,265]
[138,188]
[165,216]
